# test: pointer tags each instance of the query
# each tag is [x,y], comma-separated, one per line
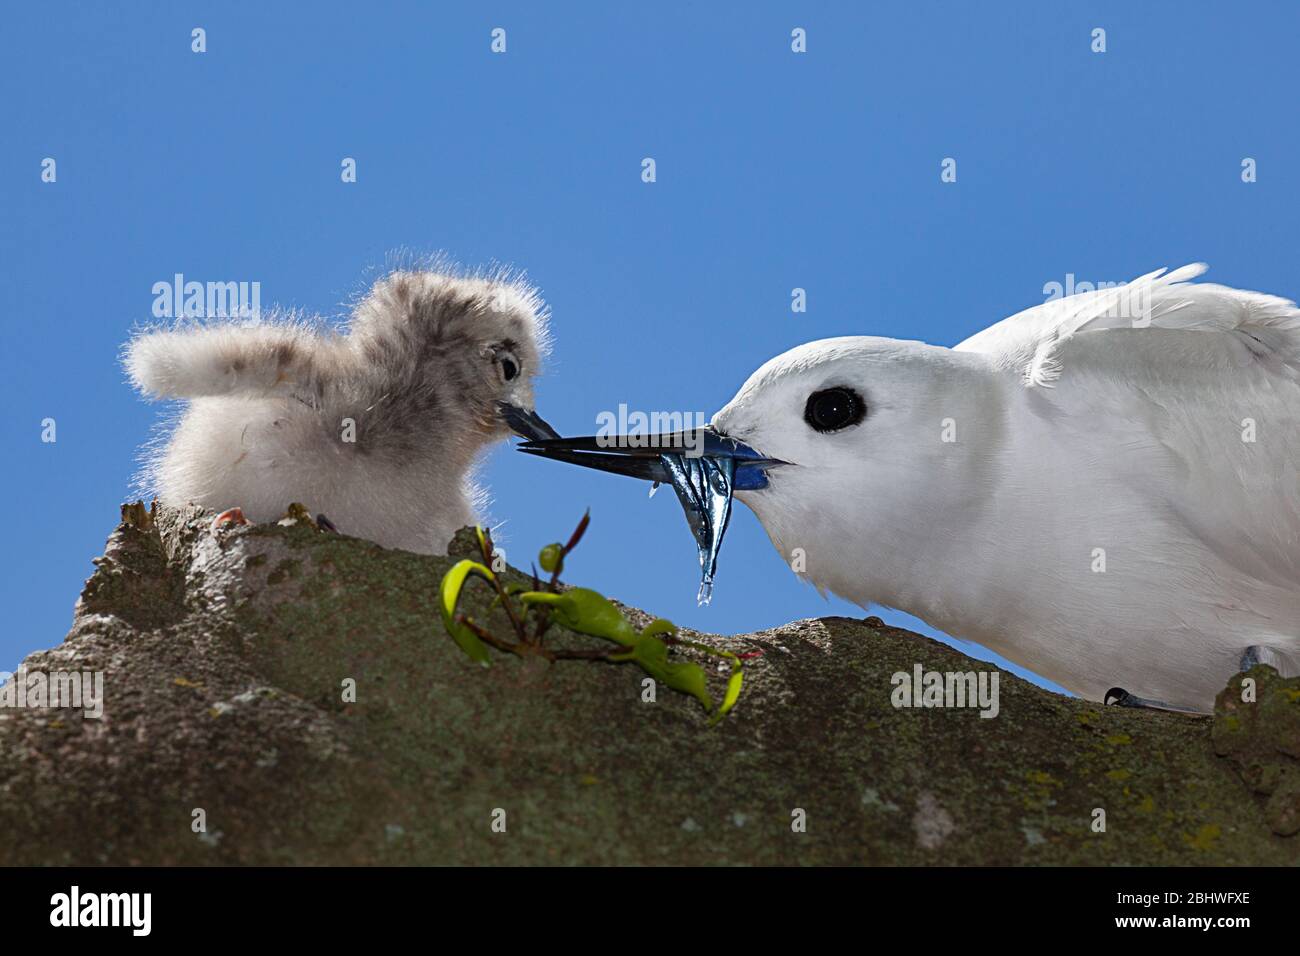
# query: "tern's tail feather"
[223,359]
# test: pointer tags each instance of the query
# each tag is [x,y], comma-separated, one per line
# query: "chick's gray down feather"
[378,426]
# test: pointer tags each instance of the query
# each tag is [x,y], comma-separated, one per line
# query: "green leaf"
[689,678]
[551,558]
[733,690]
[586,612]
[734,682]
[452,584]
[652,654]
[659,626]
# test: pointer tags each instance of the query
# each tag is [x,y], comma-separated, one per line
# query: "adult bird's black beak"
[702,466]
[639,456]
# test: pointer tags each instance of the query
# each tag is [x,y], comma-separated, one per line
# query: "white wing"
[1188,395]
[1256,329]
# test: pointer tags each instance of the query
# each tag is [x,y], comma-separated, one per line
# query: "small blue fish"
[704,467]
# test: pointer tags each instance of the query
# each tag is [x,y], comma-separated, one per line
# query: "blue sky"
[775,170]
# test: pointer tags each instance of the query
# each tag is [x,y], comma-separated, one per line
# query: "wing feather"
[1193,395]
[1031,344]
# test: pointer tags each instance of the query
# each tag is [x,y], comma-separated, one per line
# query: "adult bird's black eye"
[834,408]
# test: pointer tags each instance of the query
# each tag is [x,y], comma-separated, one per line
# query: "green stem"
[489,549]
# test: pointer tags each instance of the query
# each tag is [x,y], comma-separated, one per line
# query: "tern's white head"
[870,429]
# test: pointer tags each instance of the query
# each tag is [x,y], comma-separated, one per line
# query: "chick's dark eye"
[509,369]
[834,408]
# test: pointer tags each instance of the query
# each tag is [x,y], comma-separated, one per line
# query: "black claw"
[1119,697]
[325,524]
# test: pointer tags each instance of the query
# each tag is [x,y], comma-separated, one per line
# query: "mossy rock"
[226,660]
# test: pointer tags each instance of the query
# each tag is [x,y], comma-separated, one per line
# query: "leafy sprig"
[580,611]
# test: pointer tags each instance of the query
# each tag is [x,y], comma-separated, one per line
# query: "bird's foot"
[1119,697]
[228,518]
[298,513]
[295,513]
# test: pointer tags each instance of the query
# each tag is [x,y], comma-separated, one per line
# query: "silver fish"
[703,486]
[704,467]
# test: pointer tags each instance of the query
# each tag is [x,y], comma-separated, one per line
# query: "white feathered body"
[1104,504]
[378,427]
[260,454]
